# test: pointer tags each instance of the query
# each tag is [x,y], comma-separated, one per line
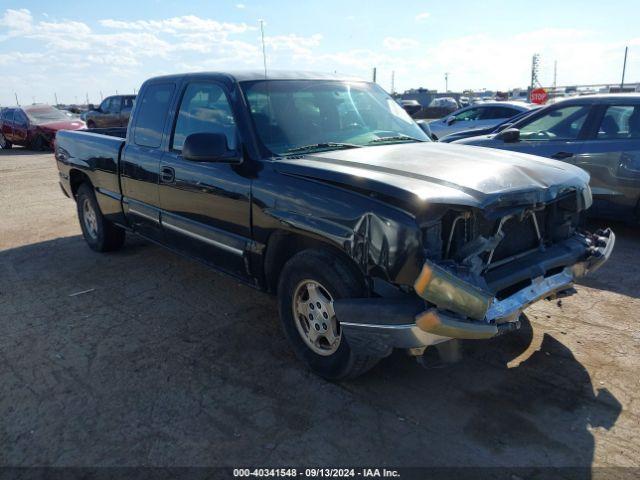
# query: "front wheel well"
[282,246]
[77,178]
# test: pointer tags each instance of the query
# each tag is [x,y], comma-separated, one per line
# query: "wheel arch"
[76,178]
[284,245]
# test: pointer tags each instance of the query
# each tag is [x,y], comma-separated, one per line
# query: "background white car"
[483,115]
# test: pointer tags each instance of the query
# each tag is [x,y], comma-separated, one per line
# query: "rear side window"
[620,121]
[151,115]
[204,109]
[495,113]
[127,103]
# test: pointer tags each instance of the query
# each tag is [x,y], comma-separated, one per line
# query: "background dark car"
[600,133]
[474,132]
[34,126]
[114,111]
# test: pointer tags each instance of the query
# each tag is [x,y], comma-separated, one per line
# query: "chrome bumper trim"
[502,315]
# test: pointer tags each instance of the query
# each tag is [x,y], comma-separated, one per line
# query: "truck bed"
[96,155]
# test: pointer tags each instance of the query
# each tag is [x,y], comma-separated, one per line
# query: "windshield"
[291,116]
[45,114]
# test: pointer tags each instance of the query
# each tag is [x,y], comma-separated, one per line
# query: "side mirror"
[209,147]
[509,135]
[451,120]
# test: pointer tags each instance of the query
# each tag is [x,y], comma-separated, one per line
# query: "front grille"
[555,222]
[519,236]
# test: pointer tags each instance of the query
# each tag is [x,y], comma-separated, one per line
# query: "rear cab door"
[141,155]
[206,206]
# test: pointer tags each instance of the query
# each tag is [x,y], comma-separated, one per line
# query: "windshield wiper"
[396,138]
[316,146]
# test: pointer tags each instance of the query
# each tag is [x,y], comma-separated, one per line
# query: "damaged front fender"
[381,246]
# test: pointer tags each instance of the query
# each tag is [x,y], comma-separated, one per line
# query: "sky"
[77,49]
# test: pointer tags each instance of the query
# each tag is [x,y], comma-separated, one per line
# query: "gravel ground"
[164,362]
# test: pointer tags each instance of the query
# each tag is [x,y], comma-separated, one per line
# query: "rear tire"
[91,124]
[329,275]
[4,143]
[100,234]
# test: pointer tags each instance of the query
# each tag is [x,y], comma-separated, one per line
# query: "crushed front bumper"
[458,309]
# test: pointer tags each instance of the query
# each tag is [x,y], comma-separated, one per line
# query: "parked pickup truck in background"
[324,191]
[113,112]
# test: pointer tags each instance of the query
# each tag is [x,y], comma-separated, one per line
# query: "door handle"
[562,155]
[167,174]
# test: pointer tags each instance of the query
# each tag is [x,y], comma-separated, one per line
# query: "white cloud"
[395,43]
[293,43]
[240,5]
[16,22]
[49,54]
[421,17]
[186,23]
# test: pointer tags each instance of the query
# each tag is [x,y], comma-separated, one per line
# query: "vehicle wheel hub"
[90,218]
[3,141]
[315,318]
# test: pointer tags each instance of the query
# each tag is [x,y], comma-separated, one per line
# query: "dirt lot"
[165,362]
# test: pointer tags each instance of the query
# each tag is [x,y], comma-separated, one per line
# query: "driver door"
[206,205]
[558,133]
[465,120]
[20,132]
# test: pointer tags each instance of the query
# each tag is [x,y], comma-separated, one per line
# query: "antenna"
[17,101]
[264,52]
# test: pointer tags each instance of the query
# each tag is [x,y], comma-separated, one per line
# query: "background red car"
[34,126]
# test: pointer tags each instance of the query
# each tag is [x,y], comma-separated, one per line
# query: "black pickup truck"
[325,192]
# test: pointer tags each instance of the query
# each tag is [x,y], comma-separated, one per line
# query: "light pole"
[624,66]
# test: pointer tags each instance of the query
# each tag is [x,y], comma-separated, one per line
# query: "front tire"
[38,144]
[309,283]
[100,234]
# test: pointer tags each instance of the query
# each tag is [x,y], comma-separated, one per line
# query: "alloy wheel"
[315,317]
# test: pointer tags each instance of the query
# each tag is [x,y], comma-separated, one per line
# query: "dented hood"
[428,173]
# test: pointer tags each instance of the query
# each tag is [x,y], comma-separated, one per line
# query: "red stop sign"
[539,96]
